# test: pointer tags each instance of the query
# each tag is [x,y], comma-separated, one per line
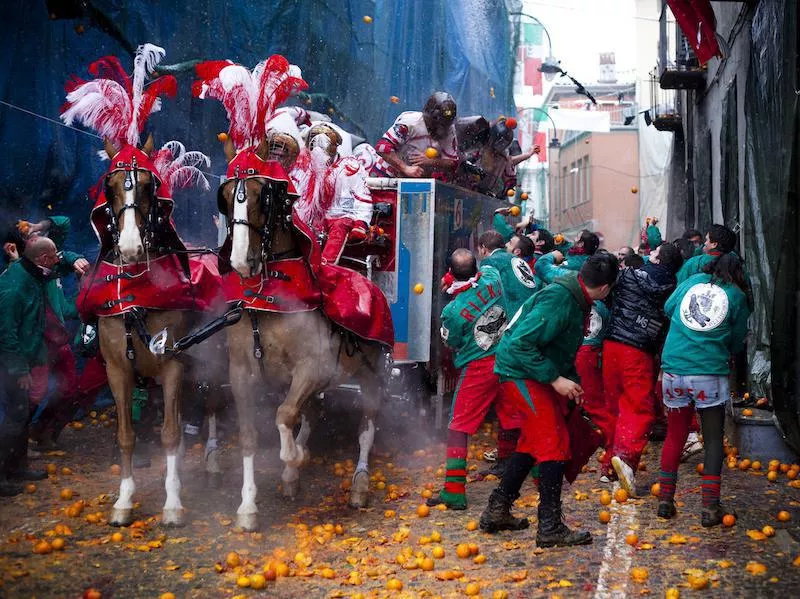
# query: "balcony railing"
[664,107]
[678,67]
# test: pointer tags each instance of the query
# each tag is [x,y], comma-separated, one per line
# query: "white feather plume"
[147,57]
[102,105]
[179,168]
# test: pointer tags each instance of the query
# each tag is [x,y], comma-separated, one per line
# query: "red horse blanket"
[159,284]
[287,287]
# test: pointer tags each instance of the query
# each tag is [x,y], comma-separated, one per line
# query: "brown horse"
[130,194]
[300,350]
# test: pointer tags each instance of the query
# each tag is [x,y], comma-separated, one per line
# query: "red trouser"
[595,402]
[93,378]
[544,429]
[478,388]
[60,363]
[629,381]
[337,229]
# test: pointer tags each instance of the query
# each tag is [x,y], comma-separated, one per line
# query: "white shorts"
[704,391]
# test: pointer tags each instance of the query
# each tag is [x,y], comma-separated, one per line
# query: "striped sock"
[667,481]
[455,477]
[507,442]
[711,485]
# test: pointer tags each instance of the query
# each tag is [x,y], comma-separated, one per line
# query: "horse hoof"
[214,480]
[247,522]
[172,518]
[121,517]
[359,490]
[290,488]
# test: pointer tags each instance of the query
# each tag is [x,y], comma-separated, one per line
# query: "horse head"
[131,201]
[256,200]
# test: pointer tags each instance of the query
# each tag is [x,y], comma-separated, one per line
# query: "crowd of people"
[553,339]
[545,331]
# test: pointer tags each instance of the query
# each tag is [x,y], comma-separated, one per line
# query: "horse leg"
[291,474]
[244,385]
[371,393]
[171,437]
[120,379]
[213,472]
[293,454]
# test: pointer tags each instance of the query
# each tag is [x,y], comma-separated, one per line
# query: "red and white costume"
[337,201]
[409,136]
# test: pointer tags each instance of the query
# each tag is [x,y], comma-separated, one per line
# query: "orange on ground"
[438,552]
[233,559]
[436,536]
[784,468]
[632,539]
[281,569]
[639,574]
[442,507]
[500,595]
[57,544]
[791,474]
[604,516]
[269,573]
[117,537]
[462,550]
[479,559]
[747,412]
[51,468]
[621,495]
[243,582]
[30,488]
[605,498]
[166,596]
[427,564]
[66,471]
[472,589]
[473,548]
[328,573]
[784,516]
[768,531]
[697,581]
[423,511]
[393,584]
[472,525]
[672,593]
[92,594]
[744,464]
[772,476]
[655,490]
[728,520]
[42,548]
[66,494]
[427,493]
[389,514]
[756,465]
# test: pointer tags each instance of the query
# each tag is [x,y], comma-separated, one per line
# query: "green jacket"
[517,277]
[695,266]
[58,232]
[574,261]
[546,270]
[654,238]
[708,324]
[599,319]
[473,321]
[501,226]
[542,339]
[23,293]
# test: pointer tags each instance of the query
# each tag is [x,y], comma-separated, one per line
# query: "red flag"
[696,20]
[533,76]
[541,141]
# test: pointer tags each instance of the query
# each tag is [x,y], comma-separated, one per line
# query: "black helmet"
[500,135]
[439,113]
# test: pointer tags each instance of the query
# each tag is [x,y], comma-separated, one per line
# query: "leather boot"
[713,515]
[497,515]
[552,532]
[498,469]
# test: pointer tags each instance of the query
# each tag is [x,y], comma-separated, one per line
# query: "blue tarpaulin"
[410,49]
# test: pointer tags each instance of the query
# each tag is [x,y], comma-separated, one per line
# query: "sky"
[582,29]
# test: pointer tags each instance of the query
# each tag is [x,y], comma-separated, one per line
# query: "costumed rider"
[420,144]
[336,200]
[498,167]
[472,324]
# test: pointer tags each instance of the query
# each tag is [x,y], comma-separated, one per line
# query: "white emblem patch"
[595,324]
[489,327]
[704,307]
[523,272]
